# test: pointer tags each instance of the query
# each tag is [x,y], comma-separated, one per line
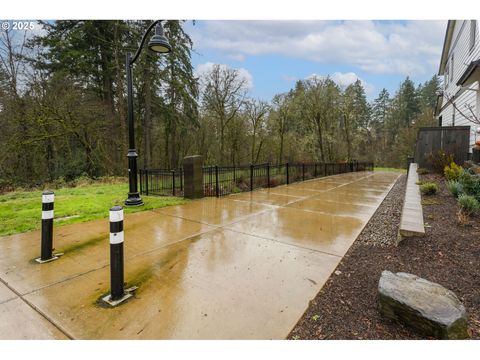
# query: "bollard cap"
[47,197]
[116,208]
[116,213]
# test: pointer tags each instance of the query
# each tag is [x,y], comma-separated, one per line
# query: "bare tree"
[12,67]
[256,111]
[224,93]
[282,118]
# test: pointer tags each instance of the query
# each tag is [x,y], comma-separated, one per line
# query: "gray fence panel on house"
[452,139]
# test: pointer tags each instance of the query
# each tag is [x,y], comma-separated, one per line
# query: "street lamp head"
[159,42]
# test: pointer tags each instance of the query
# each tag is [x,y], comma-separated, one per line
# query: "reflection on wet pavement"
[242,266]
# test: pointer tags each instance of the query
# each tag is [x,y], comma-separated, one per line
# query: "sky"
[272,54]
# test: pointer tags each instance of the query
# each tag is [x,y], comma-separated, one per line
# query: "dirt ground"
[449,254]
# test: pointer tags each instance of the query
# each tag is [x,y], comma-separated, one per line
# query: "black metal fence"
[161,182]
[224,180]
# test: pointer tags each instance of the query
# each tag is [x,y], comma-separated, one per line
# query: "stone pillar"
[193,177]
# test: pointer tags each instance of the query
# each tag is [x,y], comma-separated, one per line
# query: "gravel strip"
[382,229]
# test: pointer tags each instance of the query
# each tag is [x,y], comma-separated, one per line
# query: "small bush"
[429,188]
[439,160]
[455,188]
[277,180]
[452,171]
[468,204]
[463,219]
[422,171]
[58,183]
[470,184]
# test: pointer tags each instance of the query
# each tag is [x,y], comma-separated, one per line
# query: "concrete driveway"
[239,267]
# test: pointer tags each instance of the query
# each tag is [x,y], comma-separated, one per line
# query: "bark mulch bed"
[449,254]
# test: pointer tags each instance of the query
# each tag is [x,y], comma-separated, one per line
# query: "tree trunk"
[320,137]
[222,133]
[147,119]
[347,136]
[121,123]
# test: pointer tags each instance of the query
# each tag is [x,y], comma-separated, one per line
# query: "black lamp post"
[158,43]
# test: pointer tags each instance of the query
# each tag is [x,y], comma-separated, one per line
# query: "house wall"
[462,56]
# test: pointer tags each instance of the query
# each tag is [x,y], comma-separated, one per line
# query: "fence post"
[268,174]
[146,182]
[303,171]
[325,169]
[173,182]
[181,180]
[288,177]
[251,177]
[216,181]
[140,172]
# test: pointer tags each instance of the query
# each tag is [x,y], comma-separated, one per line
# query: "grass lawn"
[389,169]
[22,211]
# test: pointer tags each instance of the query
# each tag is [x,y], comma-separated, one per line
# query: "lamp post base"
[134,199]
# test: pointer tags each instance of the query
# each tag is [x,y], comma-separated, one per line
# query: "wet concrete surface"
[6,294]
[242,266]
[20,321]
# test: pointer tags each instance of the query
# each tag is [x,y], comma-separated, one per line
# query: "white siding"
[463,56]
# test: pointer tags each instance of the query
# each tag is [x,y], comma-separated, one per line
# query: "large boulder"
[425,306]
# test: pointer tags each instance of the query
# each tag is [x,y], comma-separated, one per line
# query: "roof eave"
[446,45]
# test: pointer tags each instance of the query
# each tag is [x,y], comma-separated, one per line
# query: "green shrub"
[429,188]
[468,204]
[422,171]
[452,171]
[470,184]
[439,160]
[58,183]
[455,188]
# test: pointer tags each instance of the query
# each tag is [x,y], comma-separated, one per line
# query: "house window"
[453,115]
[440,121]
[473,33]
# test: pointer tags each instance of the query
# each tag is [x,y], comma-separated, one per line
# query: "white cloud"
[237,57]
[345,79]
[406,48]
[289,78]
[203,69]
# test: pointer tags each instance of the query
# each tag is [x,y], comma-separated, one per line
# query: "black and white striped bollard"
[46,251]
[118,293]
